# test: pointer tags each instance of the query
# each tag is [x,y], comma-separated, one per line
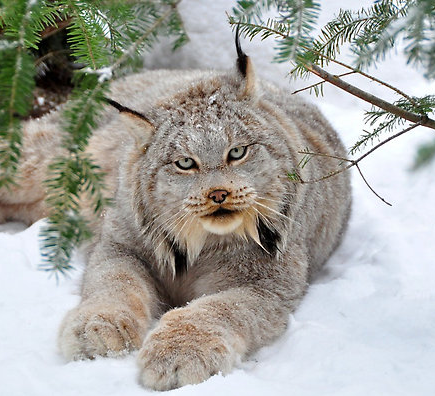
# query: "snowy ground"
[367,325]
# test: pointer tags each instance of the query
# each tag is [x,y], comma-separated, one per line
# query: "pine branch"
[310,56]
[70,177]
[316,86]
[414,24]
[74,176]
[86,34]
[103,37]
[424,120]
[371,32]
[21,22]
[353,70]
[297,20]
[355,27]
[252,10]
[301,17]
[149,33]
[387,121]
[66,228]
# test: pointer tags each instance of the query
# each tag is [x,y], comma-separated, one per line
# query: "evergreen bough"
[105,39]
[371,33]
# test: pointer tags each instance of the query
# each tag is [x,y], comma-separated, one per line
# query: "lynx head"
[213,172]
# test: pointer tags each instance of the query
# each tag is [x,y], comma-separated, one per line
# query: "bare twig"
[352,163]
[50,55]
[60,25]
[369,76]
[322,82]
[374,100]
[389,139]
[370,187]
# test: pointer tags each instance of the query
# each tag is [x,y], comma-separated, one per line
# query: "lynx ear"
[139,125]
[246,70]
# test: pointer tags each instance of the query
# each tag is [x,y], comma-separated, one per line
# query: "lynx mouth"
[222,221]
[221,212]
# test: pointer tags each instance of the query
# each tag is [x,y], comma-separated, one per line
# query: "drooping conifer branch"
[277,29]
[66,225]
[16,78]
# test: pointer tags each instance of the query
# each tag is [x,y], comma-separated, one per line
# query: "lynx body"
[208,246]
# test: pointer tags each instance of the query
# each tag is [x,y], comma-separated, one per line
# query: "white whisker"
[273,210]
[173,224]
[169,223]
[182,227]
[265,218]
[269,199]
[188,221]
[153,221]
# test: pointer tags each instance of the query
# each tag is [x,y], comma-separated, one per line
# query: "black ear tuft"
[138,126]
[242,58]
[124,109]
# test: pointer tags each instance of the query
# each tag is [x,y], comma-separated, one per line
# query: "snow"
[104,74]
[367,323]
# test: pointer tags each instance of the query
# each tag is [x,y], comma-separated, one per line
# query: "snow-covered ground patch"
[367,324]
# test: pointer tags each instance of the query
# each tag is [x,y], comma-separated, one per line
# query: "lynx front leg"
[209,336]
[118,304]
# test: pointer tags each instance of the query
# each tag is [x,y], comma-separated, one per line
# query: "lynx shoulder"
[207,235]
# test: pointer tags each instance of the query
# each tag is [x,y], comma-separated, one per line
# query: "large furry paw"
[100,329]
[181,351]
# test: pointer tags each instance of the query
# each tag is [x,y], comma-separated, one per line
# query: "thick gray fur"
[196,293]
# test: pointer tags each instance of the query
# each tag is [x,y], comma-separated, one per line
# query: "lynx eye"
[237,153]
[186,164]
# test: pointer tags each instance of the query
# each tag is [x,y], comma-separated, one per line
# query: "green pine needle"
[101,36]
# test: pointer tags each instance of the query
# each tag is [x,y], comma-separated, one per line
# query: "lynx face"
[217,176]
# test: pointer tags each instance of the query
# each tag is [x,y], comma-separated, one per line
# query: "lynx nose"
[218,196]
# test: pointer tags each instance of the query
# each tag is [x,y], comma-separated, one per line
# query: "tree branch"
[321,82]
[149,31]
[352,163]
[60,25]
[374,100]
[323,56]
[370,187]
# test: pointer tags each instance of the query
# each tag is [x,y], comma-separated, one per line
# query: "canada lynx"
[208,246]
